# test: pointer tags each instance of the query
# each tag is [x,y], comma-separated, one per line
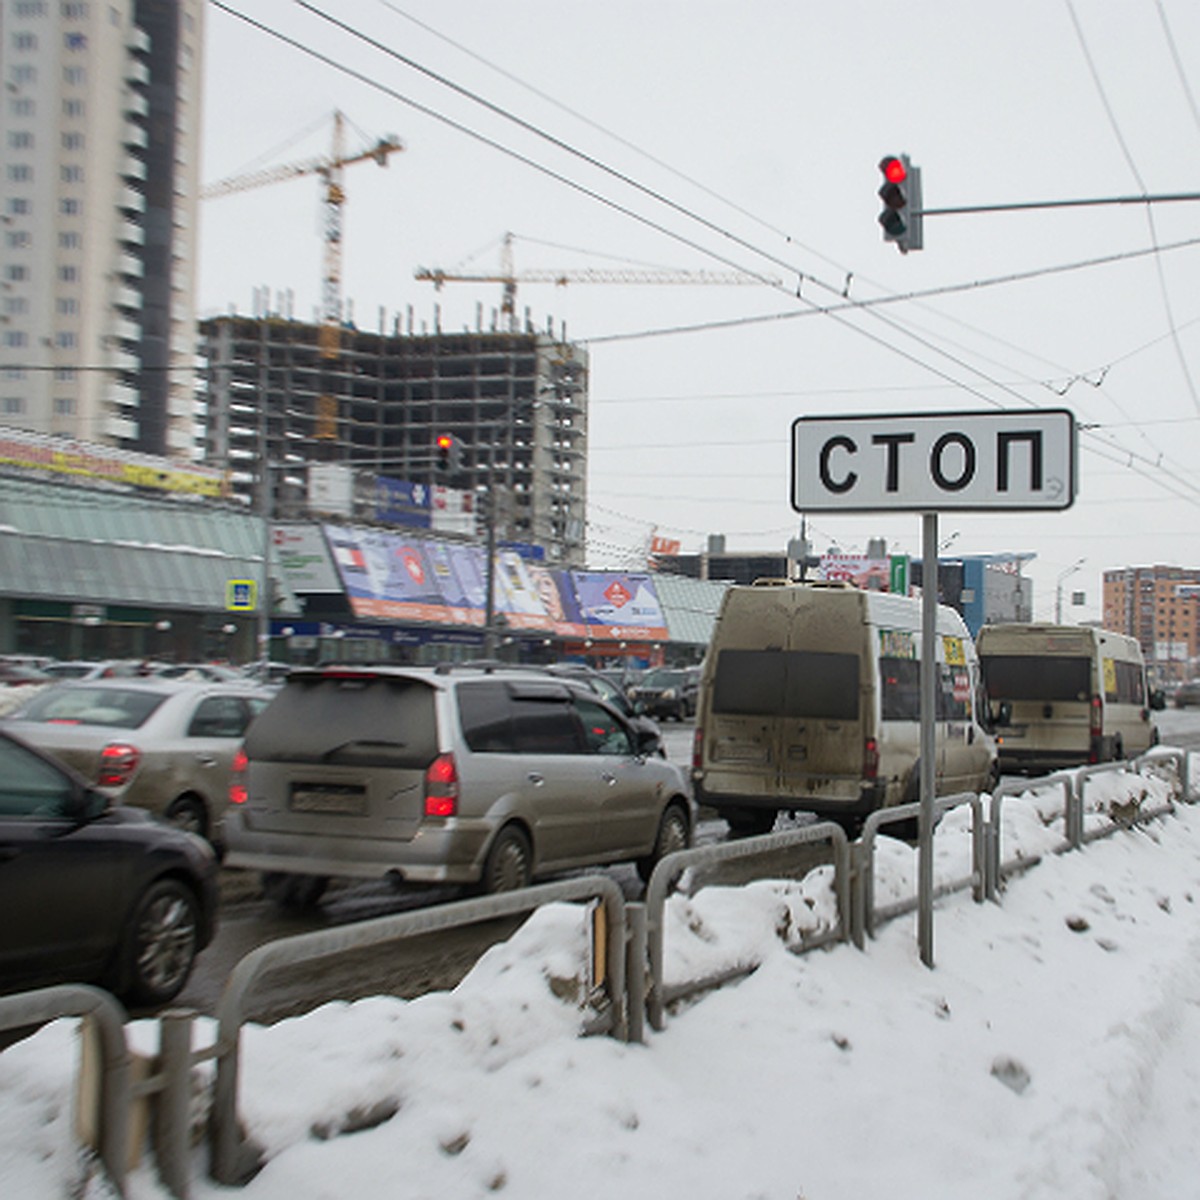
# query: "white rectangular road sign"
[935,462]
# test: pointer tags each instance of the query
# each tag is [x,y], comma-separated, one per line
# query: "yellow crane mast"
[330,169]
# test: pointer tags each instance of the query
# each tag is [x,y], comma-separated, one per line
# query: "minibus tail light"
[870,759]
[698,749]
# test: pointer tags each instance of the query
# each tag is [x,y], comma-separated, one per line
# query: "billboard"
[391,575]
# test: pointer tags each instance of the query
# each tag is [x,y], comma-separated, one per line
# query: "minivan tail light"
[441,787]
[118,762]
[238,792]
[870,759]
[698,749]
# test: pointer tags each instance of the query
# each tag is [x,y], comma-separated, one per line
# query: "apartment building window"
[18,173]
[64,375]
[75,41]
[17,206]
[72,141]
[22,106]
[25,73]
[20,139]
[17,239]
[16,306]
[12,404]
[30,8]
[14,373]
[65,339]
[71,174]
[69,241]
[75,11]
[64,406]
[73,108]
[75,76]
[68,274]
[67,306]
[15,338]
[69,206]
[24,41]
[16,273]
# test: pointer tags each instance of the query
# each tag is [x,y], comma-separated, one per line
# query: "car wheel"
[161,943]
[674,833]
[189,814]
[509,865]
[749,821]
[294,893]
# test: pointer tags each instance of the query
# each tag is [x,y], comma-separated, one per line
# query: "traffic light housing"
[447,453]
[900,192]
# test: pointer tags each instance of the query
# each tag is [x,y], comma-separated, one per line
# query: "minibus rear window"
[1037,677]
[786,683]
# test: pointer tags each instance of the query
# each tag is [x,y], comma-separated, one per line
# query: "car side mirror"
[1158,699]
[1002,713]
[649,740]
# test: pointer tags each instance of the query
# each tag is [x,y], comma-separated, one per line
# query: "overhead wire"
[1164,292]
[602,199]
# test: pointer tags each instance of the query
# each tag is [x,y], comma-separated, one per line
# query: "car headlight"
[669,694]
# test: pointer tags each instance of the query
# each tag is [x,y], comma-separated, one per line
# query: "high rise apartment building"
[99,140]
[516,403]
[1160,606]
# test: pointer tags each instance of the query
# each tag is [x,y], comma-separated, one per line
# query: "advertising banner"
[398,502]
[870,574]
[301,554]
[389,575]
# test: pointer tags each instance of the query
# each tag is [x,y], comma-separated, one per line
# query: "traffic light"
[443,459]
[901,195]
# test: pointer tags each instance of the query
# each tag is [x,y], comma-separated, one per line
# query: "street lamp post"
[1058,590]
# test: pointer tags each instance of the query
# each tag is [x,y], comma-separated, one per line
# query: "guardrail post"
[857,917]
[635,970]
[172,1104]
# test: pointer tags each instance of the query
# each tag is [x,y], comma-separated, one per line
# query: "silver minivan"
[450,775]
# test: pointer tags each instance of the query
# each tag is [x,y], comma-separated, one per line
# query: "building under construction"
[516,404]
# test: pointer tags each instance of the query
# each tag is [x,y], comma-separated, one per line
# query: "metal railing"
[108,1017]
[865,914]
[634,955]
[669,869]
[234,1159]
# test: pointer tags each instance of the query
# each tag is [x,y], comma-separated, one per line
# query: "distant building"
[1160,606]
[100,131]
[515,404]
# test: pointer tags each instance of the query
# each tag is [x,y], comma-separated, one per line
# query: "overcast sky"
[709,136]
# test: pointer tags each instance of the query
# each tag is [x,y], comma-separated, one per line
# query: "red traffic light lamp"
[901,196]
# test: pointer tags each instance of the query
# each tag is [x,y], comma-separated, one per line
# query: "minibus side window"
[900,689]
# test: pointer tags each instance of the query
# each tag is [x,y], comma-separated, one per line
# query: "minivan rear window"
[786,683]
[1036,677]
[367,721]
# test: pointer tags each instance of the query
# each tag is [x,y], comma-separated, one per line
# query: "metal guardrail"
[866,915]
[79,1000]
[668,870]
[996,868]
[234,1159]
[633,958]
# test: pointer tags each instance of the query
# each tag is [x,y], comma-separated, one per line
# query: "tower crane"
[510,277]
[330,168]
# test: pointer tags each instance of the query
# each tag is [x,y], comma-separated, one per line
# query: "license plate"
[351,801]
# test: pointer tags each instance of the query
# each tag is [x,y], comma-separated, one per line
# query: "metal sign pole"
[929,604]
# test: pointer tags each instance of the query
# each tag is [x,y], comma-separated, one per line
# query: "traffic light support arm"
[1162,198]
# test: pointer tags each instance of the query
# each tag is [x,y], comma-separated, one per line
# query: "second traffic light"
[900,192]
[447,453]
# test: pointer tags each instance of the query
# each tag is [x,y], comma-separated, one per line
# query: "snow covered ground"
[1053,1051]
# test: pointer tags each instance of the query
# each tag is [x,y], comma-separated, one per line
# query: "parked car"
[163,745]
[667,692]
[93,892]
[212,671]
[19,675]
[1187,693]
[117,668]
[473,775]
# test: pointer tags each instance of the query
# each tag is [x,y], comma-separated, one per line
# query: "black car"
[93,892]
[667,692]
